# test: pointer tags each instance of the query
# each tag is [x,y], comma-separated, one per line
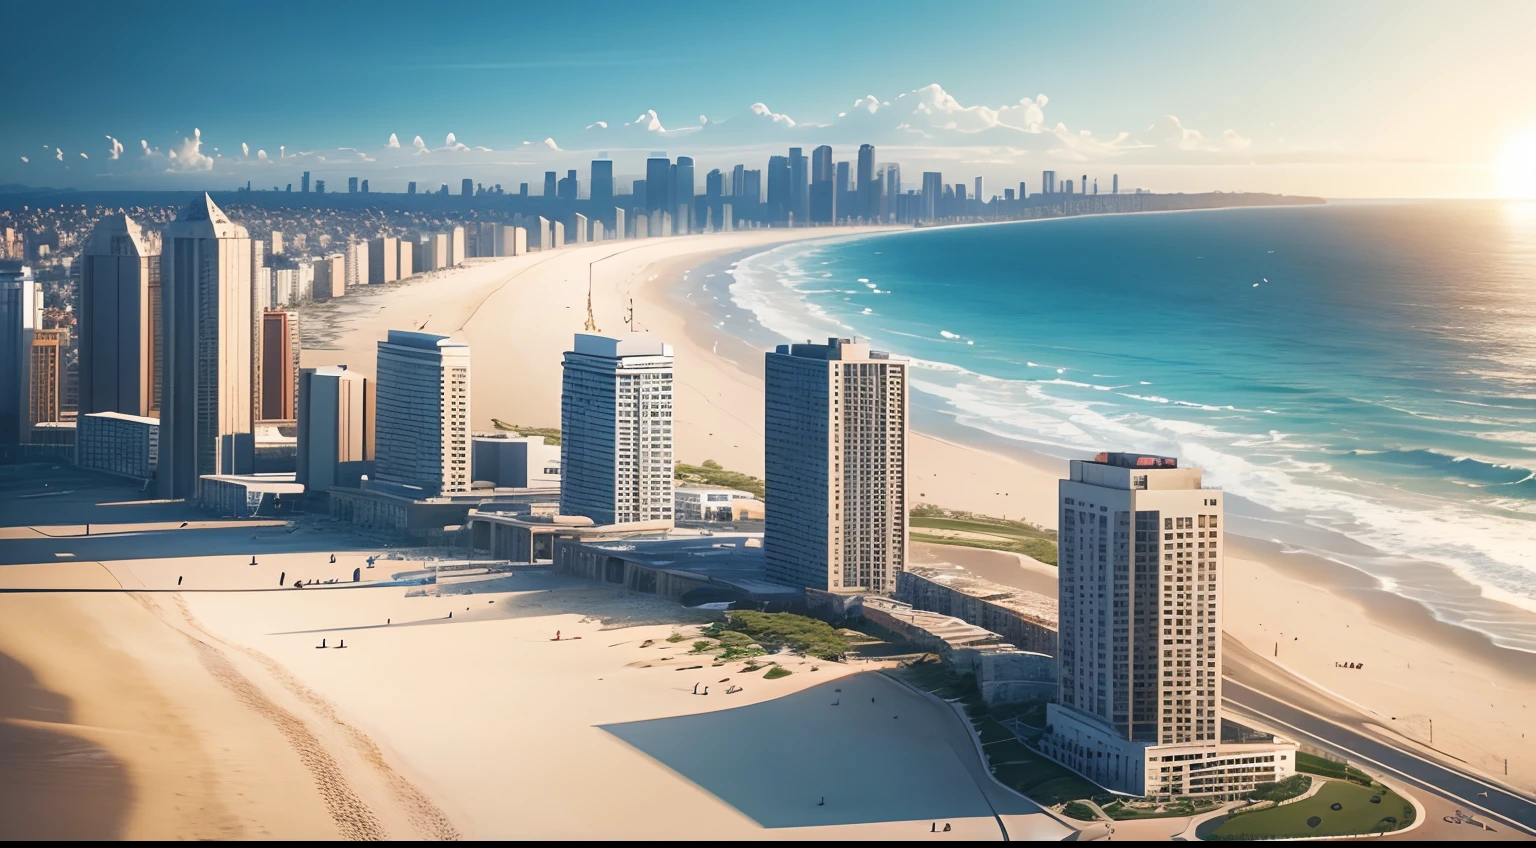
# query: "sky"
[1359,99]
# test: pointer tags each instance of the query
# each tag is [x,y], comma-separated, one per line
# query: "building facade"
[1139,699]
[335,419]
[277,366]
[118,443]
[21,315]
[205,412]
[421,418]
[835,435]
[616,429]
[45,395]
[119,322]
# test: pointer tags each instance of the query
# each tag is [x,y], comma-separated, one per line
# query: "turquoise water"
[1361,375]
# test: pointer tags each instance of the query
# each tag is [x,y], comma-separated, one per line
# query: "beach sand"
[212,714]
[1479,695]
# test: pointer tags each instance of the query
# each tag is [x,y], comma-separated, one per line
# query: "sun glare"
[1516,168]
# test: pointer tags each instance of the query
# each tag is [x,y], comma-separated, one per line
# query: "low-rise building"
[118,443]
[708,503]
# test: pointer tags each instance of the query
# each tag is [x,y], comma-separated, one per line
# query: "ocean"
[1361,376]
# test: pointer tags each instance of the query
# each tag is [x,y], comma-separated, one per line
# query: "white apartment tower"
[835,438]
[616,429]
[1140,571]
[207,328]
[421,415]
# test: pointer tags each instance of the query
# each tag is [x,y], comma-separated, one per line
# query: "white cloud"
[648,121]
[479,149]
[191,157]
[83,156]
[117,147]
[144,144]
[245,149]
[58,153]
[394,142]
[25,159]
[603,125]
[452,143]
[419,146]
[762,110]
[261,155]
[1235,142]
[550,143]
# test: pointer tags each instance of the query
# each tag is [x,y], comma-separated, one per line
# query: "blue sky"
[1348,99]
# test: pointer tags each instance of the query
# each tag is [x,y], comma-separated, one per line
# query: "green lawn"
[1313,764]
[551,434]
[783,630]
[711,474]
[1045,782]
[1358,815]
[1002,535]
[1081,812]
[1119,811]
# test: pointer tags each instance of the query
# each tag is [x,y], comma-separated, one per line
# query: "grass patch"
[1313,764]
[1119,810]
[991,731]
[1356,815]
[776,672]
[1284,790]
[711,474]
[1079,811]
[785,630]
[675,638]
[551,434]
[1044,782]
[996,534]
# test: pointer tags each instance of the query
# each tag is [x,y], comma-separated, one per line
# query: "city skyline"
[1347,123]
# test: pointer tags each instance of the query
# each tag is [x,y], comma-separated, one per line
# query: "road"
[1291,710]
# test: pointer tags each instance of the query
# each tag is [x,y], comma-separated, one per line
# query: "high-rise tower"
[120,330]
[206,302]
[835,438]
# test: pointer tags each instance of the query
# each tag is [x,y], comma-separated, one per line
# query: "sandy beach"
[1478,695]
[200,704]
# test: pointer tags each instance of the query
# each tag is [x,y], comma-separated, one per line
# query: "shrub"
[675,638]
[1079,811]
[776,672]
[786,630]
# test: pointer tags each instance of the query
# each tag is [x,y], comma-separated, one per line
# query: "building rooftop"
[616,346]
[118,231]
[1136,460]
[123,416]
[424,341]
[735,559]
[204,219]
[1030,605]
[848,350]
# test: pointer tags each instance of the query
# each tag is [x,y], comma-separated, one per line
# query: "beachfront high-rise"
[119,319]
[1140,578]
[207,326]
[835,438]
[616,429]
[421,414]
[21,316]
[335,426]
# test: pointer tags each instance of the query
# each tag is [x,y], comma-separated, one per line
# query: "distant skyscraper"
[1083,184]
[778,189]
[682,221]
[421,422]
[844,194]
[737,188]
[799,187]
[1115,183]
[980,198]
[47,376]
[891,190]
[119,325]
[868,188]
[601,192]
[714,184]
[1047,182]
[1022,194]
[933,192]
[278,366]
[410,187]
[551,184]
[566,189]
[616,429]
[335,424]
[319,186]
[823,194]
[363,188]
[205,403]
[351,185]
[21,316]
[752,187]
[1068,188]
[384,260]
[304,183]
[658,176]
[835,439]
[467,187]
